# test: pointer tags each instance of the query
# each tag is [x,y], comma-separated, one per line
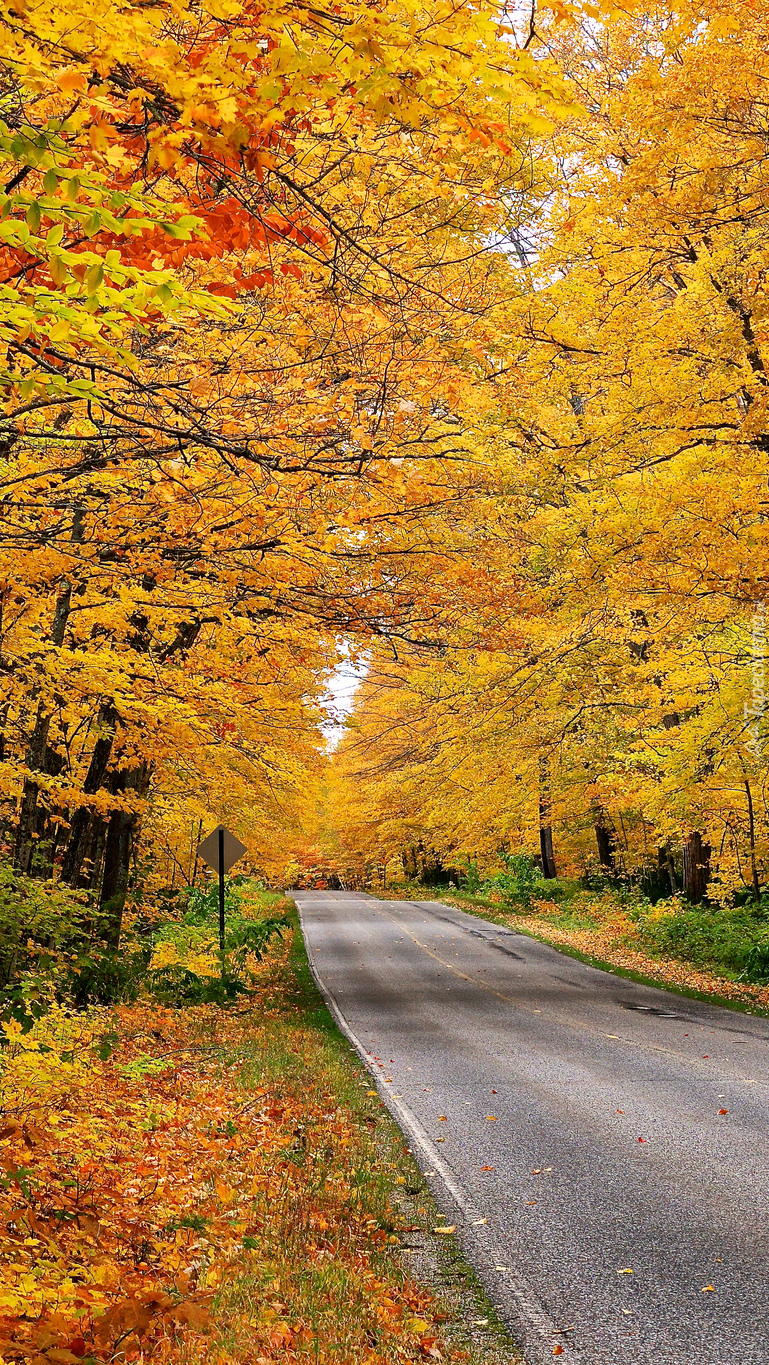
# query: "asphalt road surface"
[570,1124]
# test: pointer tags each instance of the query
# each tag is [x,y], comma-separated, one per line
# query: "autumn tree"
[623,694]
[250,256]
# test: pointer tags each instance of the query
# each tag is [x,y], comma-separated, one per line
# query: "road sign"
[208,850]
[220,849]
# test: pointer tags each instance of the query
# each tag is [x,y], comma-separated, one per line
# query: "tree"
[249,263]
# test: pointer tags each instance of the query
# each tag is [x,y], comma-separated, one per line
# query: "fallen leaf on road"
[723,1111]
[558,1349]
[531,1201]
[537,1170]
[442,1118]
[440,1139]
[620,1111]
[451,1228]
[501,1267]
[491,1118]
[627,1271]
[642,1139]
[478,1222]
[708,1289]
[487,1168]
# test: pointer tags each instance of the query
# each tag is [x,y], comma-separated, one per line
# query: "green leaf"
[33,216]
[50,182]
[107,1046]
[54,234]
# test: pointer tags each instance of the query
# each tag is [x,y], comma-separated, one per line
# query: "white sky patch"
[338,703]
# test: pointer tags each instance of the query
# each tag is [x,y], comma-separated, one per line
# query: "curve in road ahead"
[600,1145]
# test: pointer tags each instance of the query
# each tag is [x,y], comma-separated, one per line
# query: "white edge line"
[529,1318]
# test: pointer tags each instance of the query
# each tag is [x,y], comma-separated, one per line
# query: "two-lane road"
[578,1115]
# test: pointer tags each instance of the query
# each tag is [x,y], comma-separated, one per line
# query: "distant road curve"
[571,1124]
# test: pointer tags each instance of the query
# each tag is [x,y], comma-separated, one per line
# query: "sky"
[342,687]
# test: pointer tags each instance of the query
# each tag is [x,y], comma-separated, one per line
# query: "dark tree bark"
[666,865]
[82,820]
[122,830]
[696,858]
[605,840]
[37,744]
[755,883]
[545,821]
[422,865]
[47,831]
[410,863]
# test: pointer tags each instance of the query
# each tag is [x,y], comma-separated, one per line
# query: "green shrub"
[38,920]
[724,940]
[471,878]
[188,968]
[106,976]
[517,882]
[43,927]
[756,968]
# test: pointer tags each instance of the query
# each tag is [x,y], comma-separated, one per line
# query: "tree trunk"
[122,830]
[81,827]
[37,743]
[605,841]
[46,827]
[410,863]
[696,866]
[545,821]
[666,865]
[756,885]
[431,872]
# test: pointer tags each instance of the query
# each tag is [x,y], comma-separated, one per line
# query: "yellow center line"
[558,1019]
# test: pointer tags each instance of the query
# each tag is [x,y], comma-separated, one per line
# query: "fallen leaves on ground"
[139,1189]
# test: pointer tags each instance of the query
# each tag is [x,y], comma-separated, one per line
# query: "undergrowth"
[199,1183]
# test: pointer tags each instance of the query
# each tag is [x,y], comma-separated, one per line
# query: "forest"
[437,342]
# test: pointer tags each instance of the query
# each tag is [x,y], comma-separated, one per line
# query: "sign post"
[220,832]
[221,850]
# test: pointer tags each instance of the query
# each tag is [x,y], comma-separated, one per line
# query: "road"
[581,1116]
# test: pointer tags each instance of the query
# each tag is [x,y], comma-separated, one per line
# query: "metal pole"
[221,890]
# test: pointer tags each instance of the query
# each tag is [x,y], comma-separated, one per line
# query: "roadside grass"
[221,1185]
[698,951]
